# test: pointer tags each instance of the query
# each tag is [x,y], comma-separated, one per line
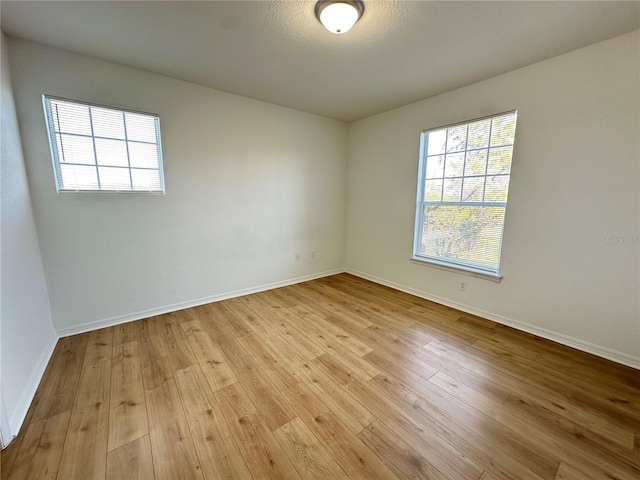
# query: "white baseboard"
[15,419]
[5,430]
[604,352]
[110,322]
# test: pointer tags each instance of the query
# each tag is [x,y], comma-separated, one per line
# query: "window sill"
[458,269]
[118,192]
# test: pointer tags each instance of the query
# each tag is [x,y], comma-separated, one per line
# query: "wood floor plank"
[336,377]
[292,358]
[565,445]
[175,342]
[320,298]
[324,329]
[487,476]
[132,461]
[352,413]
[128,412]
[493,447]
[99,347]
[442,455]
[257,319]
[610,432]
[217,451]
[267,365]
[212,319]
[235,324]
[307,454]
[155,373]
[336,371]
[262,452]
[347,449]
[360,305]
[403,460]
[350,360]
[256,381]
[40,452]
[174,455]
[607,409]
[9,454]
[126,332]
[567,472]
[274,410]
[58,393]
[85,447]
[213,364]
[238,358]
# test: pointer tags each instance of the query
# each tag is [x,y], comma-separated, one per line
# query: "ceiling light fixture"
[338,16]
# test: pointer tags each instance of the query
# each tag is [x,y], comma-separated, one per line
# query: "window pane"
[496,189]
[476,163]
[145,179]
[468,235]
[70,118]
[499,160]
[141,128]
[436,142]
[473,189]
[463,225]
[503,130]
[435,166]
[111,152]
[78,177]
[452,190]
[456,138]
[107,123]
[479,134]
[143,155]
[454,165]
[114,178]
[433,191]
[74,149]
[113,139]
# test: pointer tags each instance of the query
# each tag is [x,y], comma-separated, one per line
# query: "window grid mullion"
[126,143]
[464,162]
[463,204]
[486,165]
[100,137]
[112,166]
[444,167]
[95,153]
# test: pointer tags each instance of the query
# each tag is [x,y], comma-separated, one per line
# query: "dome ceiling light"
[338,16]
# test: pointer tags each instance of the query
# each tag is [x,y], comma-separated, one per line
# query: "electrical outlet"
[297,255]
[463,286]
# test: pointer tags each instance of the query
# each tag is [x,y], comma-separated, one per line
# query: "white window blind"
[98,148]
[463,185]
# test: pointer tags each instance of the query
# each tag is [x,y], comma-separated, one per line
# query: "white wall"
[27,337]
[248,184]
[575,182]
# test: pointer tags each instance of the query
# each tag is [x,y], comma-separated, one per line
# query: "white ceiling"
[276,51]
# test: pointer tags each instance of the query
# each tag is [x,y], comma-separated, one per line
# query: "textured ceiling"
[276,51]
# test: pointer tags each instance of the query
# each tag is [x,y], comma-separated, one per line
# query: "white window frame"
[453,266]
[55,156]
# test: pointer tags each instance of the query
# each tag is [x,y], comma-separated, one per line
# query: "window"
[462,193]
[104,149]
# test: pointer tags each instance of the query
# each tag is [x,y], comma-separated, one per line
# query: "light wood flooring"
[337,378]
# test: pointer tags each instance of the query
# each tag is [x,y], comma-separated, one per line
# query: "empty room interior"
[324,239]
